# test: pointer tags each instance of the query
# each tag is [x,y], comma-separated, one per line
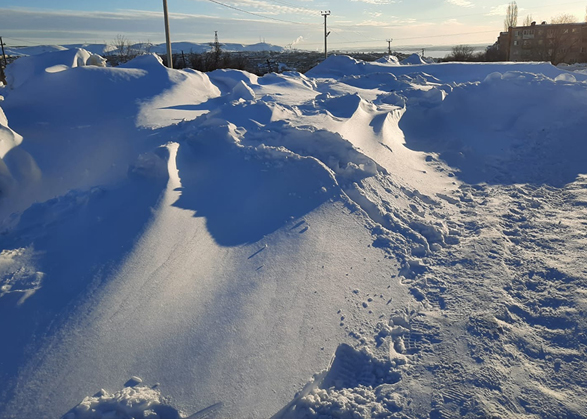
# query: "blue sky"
[354,23]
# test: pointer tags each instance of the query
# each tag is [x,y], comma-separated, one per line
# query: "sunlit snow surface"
[367,240]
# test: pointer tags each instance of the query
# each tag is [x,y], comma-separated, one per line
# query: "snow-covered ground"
[368,240]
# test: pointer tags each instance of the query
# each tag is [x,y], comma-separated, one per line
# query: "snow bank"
[503,123]
[388,59]
[18,169]
[29,67]
[339,66]
[414,59]
[8,138]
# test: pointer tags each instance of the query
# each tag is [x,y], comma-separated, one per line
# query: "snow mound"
[414,59]
[8,138]
[18,169]
[131,402]
[503,141]
[388,59]
[355,385]
[98,49]
[336,66]
[29,67]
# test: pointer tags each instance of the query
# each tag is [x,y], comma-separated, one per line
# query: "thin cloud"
[500,10]
[453,22]
[266,8]
[460,3]
[378,2]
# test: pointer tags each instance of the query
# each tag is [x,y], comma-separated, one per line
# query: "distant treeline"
[467,53]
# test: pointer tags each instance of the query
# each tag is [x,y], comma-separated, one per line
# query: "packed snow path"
[222,236]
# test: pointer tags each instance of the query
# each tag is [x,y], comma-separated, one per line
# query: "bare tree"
[528,21]
[511,16]
[564,18]
[123,48]
[560,41]
[461,53]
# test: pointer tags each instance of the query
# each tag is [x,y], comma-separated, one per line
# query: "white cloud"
[498,10]
[267,8]
[460,3]
[453,22]
[376,1]
[391,21]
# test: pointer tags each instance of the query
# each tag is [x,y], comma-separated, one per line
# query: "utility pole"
[167,37]
[325,13]
[3,65]
[389,41]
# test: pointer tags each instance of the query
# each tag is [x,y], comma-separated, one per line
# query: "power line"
[259,15]
[407,39]
[24,40]
[307,12]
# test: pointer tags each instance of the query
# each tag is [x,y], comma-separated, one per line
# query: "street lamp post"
[167,37]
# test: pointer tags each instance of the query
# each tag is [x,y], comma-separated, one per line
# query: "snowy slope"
[222,236]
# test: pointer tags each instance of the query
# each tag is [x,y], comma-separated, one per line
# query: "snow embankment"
[51,62]
[414,59]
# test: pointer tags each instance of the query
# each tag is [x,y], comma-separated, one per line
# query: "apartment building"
[558,43]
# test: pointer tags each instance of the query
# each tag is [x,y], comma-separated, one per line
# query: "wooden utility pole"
[389,45]
[325,13]
[3,64]
[167,37]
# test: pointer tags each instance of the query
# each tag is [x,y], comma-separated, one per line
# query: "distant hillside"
[105,49]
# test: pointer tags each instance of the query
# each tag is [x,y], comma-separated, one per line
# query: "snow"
[50,62]
[105,49]
[413,59]
[367,240]
[390,59]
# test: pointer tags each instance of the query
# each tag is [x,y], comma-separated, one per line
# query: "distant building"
[558,43]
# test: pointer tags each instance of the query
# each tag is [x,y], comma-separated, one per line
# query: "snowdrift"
[413,59]
[366,240]
[49,62]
